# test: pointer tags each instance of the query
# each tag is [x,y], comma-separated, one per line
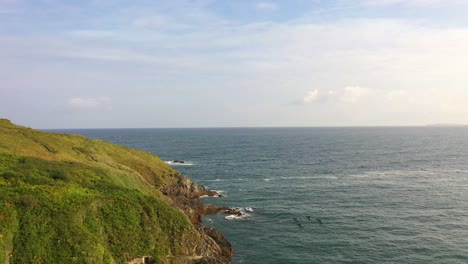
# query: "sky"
[237,63]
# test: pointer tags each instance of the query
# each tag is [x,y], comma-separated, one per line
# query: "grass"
[66,197]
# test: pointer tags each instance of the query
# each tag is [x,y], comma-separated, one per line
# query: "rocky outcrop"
[219,249]
[143,260]
[226,248]
[183,194]
[232,211]
[183,186]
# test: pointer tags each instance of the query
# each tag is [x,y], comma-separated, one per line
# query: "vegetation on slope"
[69,198]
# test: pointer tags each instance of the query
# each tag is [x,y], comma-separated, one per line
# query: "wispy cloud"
[92,33]
[414,3]
[266,6]
[79,103]
[348,95]
[151,21]
[353,94]
[311,97]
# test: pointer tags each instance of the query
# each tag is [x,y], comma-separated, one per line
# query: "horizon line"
[257,127]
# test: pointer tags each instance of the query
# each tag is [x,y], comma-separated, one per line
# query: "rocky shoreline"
[184,194]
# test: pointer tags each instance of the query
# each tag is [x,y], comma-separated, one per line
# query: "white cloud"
[354,94]
[266,6]
[103,103]
[311,97]
[346,95]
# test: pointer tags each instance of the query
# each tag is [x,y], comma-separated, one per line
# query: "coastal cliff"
[67,198]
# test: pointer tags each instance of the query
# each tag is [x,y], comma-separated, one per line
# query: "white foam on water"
[309,177]
[360,175]
[219,194]
[239,179]
[186,163]
[232,217]
[243,216]
[243,213]
[221,180]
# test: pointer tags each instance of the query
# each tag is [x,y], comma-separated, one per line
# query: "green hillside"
[69,199]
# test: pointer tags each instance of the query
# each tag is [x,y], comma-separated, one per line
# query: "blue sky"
[102,63]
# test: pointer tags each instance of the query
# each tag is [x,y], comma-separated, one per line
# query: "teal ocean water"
[382,195]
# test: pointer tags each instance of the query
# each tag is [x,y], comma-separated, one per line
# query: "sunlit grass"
[66,197]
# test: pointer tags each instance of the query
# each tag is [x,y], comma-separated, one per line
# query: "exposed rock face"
[226,249]
[183,186]
[184,193]
[143,260]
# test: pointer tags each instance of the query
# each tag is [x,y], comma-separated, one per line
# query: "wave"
[186,163]
[220,193]
[215,180]
[401,173]
[249,209]
[237,217]
[360,175]
[309,177]
[240,179]
[227,179]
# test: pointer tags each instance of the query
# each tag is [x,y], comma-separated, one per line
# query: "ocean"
[326,195]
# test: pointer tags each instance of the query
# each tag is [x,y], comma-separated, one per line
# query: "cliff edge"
[67,198]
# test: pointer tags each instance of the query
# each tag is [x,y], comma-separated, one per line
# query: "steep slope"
[66,198]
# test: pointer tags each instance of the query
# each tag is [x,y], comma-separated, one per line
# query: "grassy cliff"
[69,199]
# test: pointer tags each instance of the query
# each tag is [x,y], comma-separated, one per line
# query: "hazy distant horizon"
[259,127]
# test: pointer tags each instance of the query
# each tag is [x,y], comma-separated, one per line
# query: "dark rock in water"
[176,161]
[212,193]
[181,161]
[233,211]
